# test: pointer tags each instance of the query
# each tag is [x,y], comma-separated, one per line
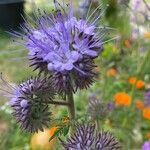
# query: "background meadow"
[123,80]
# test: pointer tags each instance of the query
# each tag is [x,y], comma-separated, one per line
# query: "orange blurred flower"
[40,140]
[122,98]
[139,104]
[132,80]
[147,35]
[52,130]
[146,112]
[148,135]
[127,43]
[111,72]
[140,84]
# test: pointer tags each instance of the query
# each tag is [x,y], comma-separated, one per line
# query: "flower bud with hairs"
[87,137]
[30,102]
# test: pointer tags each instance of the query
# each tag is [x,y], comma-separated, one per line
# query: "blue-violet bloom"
[30,102]
[65,46]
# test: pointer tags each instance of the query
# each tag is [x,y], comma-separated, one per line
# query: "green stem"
[98,124]
[147,56]
[124,122]
[105,85]
[71,106]
[71,110]
[63,103]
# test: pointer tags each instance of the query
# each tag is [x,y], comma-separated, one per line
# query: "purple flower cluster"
[62,48]
[30,104]
[63,44]
[87,138]
[97,109]
[146,145]
[147,98]
[65,47]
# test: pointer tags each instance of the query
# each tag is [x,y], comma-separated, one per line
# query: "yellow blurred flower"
[65,120]
[115,49]
[147,35]
[127,43]
[40,140]
[122,98]
[108,122]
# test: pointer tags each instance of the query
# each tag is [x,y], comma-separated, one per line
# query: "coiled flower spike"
[86,138]
[97,109]
[65,47]
[30,102]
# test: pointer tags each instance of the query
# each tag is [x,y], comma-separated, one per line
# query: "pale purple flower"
[148,94]
[97,109]
[64,43]
[137,4]
[139,16]
[147,98]
[65,47]
[111,106]
[146,145]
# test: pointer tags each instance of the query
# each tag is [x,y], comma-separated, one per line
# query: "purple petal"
[146,146]
[24,103]
[89,30]
[90,53]
[13,101]
[68,66]
[50,67]
[75,56]
[52,56]
[148,94]
[58,66]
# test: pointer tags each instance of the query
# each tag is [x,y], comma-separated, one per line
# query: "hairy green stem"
[98,124]
[63,103]
[69,103]
[71,106]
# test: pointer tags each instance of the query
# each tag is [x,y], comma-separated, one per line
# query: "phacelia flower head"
[30,102]
[65,46]
[98,109]
[87,138]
